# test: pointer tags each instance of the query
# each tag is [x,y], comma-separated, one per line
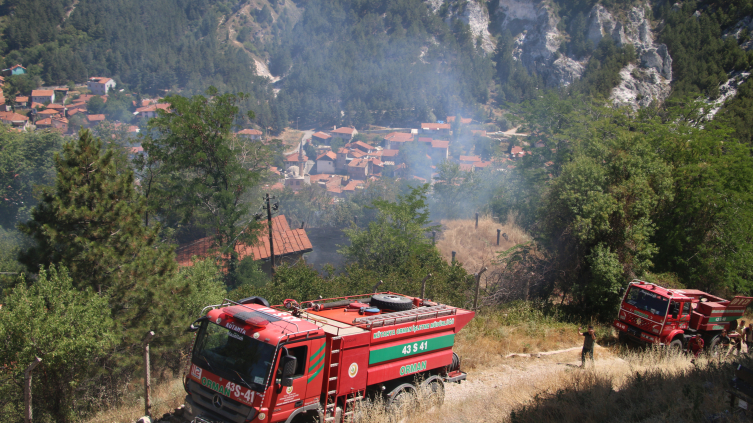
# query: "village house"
[358,169]
[22,102]
[395,140]
[517,152]
[43,96]
[289,246]
[436,128]
[14,70]
[361,146]
[321,138]
[440,151]
[14,119]
[341,162]
[251,134]
[100,85]
[325,163]
[345,133]
[375,167]
[48,113]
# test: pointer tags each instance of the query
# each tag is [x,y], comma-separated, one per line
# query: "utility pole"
[271,238]
[147,376]
[27,388]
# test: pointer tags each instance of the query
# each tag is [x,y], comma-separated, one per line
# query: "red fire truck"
[651,314]
[255,363]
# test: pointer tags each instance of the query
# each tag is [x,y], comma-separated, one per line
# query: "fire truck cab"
[651,314]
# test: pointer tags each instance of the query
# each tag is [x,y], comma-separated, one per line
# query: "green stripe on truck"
[410,349]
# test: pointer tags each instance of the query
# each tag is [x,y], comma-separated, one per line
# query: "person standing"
[589,339]
[749,337]
[742,330]
[696,346]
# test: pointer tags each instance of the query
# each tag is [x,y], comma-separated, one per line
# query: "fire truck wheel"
[391,302]
[676,345]
[714,344]
[402,398]
[435,391]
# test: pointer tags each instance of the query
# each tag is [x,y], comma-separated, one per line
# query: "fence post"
[433,237]
[498,232]
[476,221]
[478,288]
[27,388]
[423,286]
[453,257]
[147,376]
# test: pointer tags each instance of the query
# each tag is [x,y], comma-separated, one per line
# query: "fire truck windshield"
[233,356]
[647,301]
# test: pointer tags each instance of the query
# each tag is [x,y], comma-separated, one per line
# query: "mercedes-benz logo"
[217,401]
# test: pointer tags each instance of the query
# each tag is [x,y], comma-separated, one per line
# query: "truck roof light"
[257,321]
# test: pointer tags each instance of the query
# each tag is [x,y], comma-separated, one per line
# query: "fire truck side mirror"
[288,364]
[675,310]
[196,324]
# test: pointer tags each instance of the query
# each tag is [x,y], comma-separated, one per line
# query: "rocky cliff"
[538,43]
[474,13]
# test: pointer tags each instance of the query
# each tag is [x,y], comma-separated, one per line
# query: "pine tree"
[91,223]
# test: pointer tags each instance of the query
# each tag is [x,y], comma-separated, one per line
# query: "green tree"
[95,105]
[69,329]
[26,161]
[205,171]
[399,233]
[91,223]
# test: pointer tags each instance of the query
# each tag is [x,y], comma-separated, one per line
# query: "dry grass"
[476,248]
[625,385]
[166,396]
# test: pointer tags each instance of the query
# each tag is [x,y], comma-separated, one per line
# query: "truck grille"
[230,410]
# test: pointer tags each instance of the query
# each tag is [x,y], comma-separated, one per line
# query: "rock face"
[472,12]
[538,42]
[640,84]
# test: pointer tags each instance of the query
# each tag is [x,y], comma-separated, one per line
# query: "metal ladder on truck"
[332,412]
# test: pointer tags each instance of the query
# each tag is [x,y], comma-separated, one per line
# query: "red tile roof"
[399,137]
[330,155]
[356,153]
[294,158]
[94,118]
[11,116]
[286,241]
[357,163]
[22,99]
[44,122]
[42,93]
[362,145]
[49,112]
[440,144]
[344,130]
[516,150]
[321,135]
[425,139]
[55,106]
[390,153]
[466,167]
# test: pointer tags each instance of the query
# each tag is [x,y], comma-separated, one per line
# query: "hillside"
[343,63]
